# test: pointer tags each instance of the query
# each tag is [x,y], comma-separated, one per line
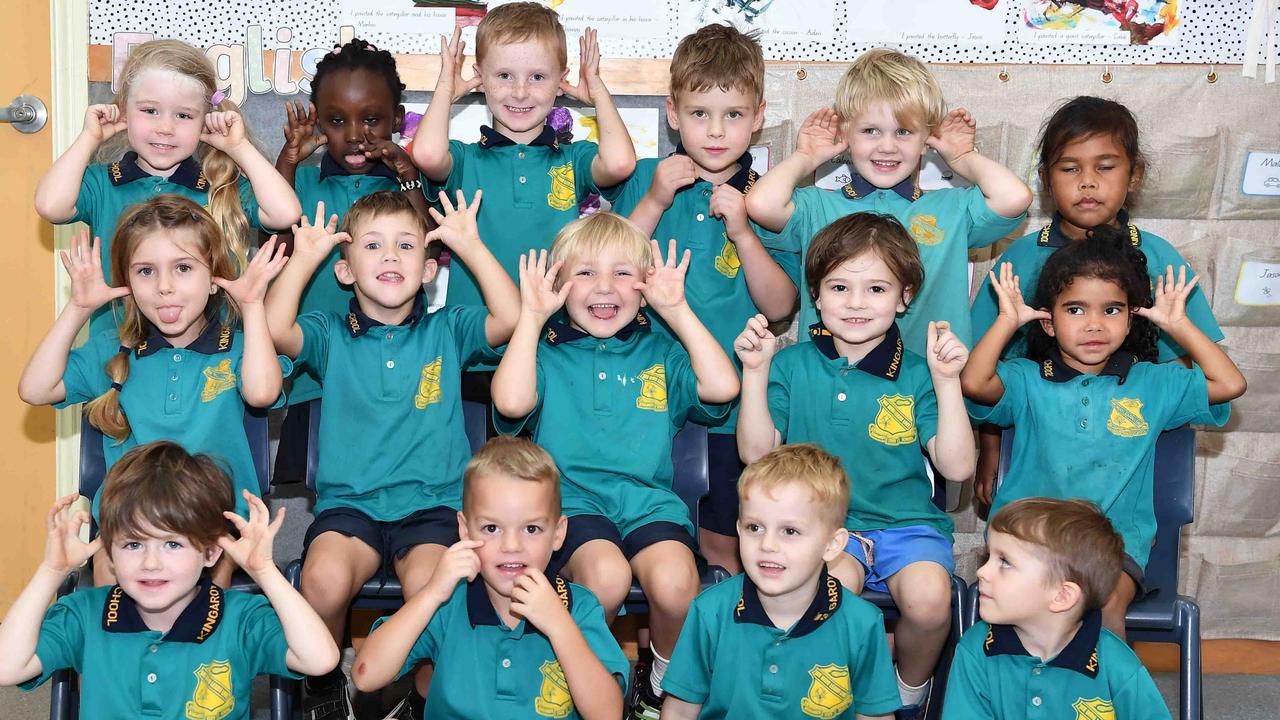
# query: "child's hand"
[820,137]
[536,601]
[731,206]
[457,228]
[64,551]
[450,80]
[224,130]
[89,290]
[391,155]
[672,174]
[756,345]
[954,136]
[314,239]
[1170,306]
[253,550]
[300,136]
[944,351]
[1009,294]
[589,86]
[103,121]
[663,286]
[538,296]
[251,287]
[460,562]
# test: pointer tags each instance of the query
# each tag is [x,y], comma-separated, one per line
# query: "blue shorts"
[718,510]
[884,552]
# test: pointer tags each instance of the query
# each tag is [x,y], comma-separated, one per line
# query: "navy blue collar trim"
[1051,235]
[826,601]
[1055,369]
[1080,655]
[562,332]
[480,610]
[490,138]
[358,323]
[884,360]
[859,187]
[216,338]
[198,621]
[188,173]
[742,180]
[329,166]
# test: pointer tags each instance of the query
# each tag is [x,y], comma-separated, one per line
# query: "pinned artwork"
[1101,22]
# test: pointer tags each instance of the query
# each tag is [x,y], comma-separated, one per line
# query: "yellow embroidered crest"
[653,389]
[213,698]
[217,380]
[553,699]
[925,230]
[1095,709]
[562,195]
[895,424]
[429,384]
[1126,418]
[727,262]
[829,693]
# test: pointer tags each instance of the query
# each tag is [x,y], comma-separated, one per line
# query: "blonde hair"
[902,81]
[518,22]
[718,56]
[592,235]
[161,214]
[809,466]
[516,458]
[219,169]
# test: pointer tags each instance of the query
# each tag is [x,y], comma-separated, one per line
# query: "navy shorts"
[585,528]
[718,511]
[390,539]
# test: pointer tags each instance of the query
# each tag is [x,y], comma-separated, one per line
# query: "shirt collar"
[884,360]
[1051,235]
[358,323]
[188,173]
[562,332]
[216,338]
[198,621]
[1055,369]
[826,601]
[490,138]
[480,610]
[329,166]
[859,187]
[1080,655]
[743,179]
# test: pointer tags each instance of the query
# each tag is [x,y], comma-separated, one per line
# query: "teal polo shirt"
[392,438]
[1028,255]
[607,411]
[715,285]
[1095,677]
[732,660]
[945,224]
[188,395]
[108,190]
[203,667]
[877,416]
[488,671]
[1094,436]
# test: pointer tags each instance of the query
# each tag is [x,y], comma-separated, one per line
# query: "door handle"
[26,113]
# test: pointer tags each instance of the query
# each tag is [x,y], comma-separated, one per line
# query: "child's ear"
[429,270]
[1047,326]
[342,270]
[905,301]
[562,526]
[836,545]
[759,118]
[1136,175]
[673,118]
[1068,596]
[462,526]
[397,125]
[212,554]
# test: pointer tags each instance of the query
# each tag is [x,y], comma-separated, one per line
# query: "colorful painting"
[1109,22]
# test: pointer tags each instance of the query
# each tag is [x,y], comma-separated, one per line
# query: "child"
[507,640]
[178,368]
[183,136]
[1090,365]
[1041,650]
[1091,162]
[392,445]
[605,396]
[860,394]
[786,640]
[889,111]
[165,642]
[697,196]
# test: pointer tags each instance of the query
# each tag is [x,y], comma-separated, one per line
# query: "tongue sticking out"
[170,314]
[356,159]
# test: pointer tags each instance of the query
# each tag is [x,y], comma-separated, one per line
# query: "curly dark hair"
[359,54]
[1106,254]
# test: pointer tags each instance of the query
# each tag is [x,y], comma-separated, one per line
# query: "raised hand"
[944,351]
[300,136]
[224,130]
[451,55]
[663,286]
[589,83]
[314,239]
[251,287]
[457,226]
[672,174]
[460,562]
[89,289]
[820,137]
[538,296]
[1008,289]
[730,206]
[103,121]
[755,345]
[1170,306]
[252,551]
[534,599]
[64,551]
[954,136]
[389,154]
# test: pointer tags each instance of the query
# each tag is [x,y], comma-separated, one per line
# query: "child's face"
[165,114]
[783,541]
[1014,583]
[1090,181]
[882,150]
[521,82]
[387,264]
[715,127]
[159,571]
[171,284]
[858,302]
[352,105]
[604,297]
[1091,319]
[519,524]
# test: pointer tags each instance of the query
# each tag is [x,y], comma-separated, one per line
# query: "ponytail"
[104,412]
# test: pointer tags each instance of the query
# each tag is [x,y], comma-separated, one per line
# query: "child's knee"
[925,599]
[674,590]
[606,575]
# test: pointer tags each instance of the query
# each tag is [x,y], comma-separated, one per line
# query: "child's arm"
[300,139]
[431,142]
[457,230]
[978,379]
[312,243]
[1006,195]
[770,201]
[515,383]
[260,376]
[278,205]
[617,156]
[595,693]
[397,158]
[384,652]
[951,449]
[663,288]
[671,174]
[59,189]
[756,432]
[20,631]
[768,284]
[1169,314]
[673,708]
[41,381]
[311,647]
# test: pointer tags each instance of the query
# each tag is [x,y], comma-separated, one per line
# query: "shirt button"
[840,397]
[173,396]
[1084,423]
[522,180]
[773,669]
[154,648]
[601,376]
[177,357]
[520,154]
[1035,671]
[390,335]
[506,662]
[391,364]
[602,346]
[1084,401]
[151,677]
[701,217]
[174,377]
[1085,383]
[357,184]
[1036,701]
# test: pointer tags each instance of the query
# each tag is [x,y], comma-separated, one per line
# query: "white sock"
[656,671]
[911,695]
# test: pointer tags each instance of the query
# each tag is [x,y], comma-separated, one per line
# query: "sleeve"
[262,638]
[688,675]
[467,323]
[315,342]
[926,409]
[1138,698]
[1187,392]
[780,396]
[589,616]
[967,695]
[1004,413]
[427,644]
[249,202]
[583,154]
[682,392]
[875,684]
[457,151]
[85,377]
[804,223]
[788,260]
[61,641]
[515,426]
[94,186]
[987,225]
[627,194]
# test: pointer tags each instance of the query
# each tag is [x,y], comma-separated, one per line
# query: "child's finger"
[238,522]
[444,203]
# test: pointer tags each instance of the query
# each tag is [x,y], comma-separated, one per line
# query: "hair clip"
[217,98]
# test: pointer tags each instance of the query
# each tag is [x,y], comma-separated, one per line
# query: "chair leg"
[283,692]
[1189,670]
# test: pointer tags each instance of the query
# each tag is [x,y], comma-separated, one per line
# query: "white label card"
[1259,284]
[1261,174]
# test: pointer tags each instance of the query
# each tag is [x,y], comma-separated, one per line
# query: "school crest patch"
[829,693]
[429,384]
[727,262]
[562,195]
[895,423]
[213,698]
[1126,418]
[924,230]
[1095,709]
[553,699]
[217,380]
[653,389]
